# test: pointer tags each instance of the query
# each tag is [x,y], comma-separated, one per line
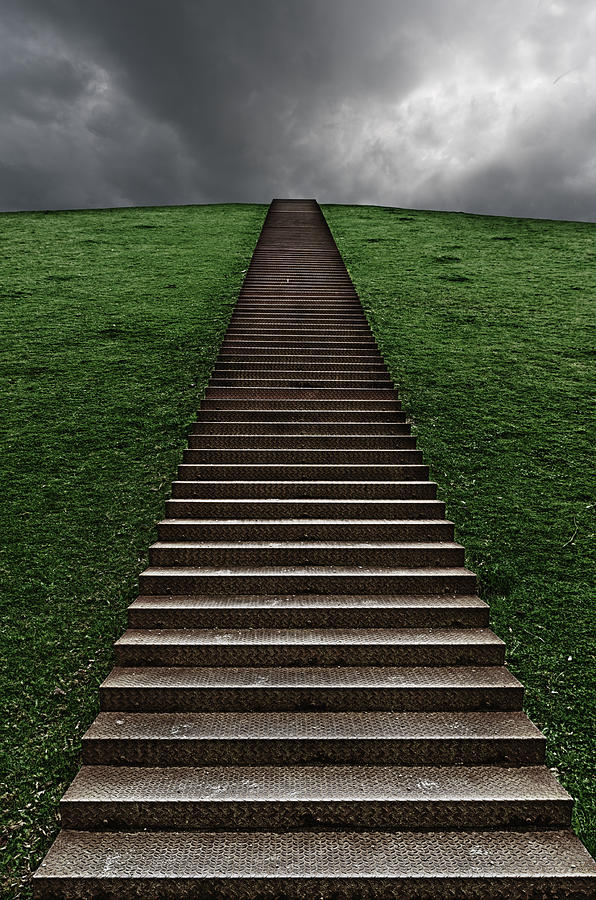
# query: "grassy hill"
[111,320]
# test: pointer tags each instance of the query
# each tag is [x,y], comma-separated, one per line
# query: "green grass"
[112,320]
[485,325]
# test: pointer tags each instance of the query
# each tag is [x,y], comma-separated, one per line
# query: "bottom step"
[532,865]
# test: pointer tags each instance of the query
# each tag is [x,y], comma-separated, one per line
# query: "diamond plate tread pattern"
[367,726]
[314,783]
[201,689]
[461,864]
[386,676]
[286,637]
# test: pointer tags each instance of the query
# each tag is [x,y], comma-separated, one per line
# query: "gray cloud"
[486,107]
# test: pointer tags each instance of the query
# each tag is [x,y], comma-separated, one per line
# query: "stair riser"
[376,751]
[297,343]
[298,371]
[256,317]
[285,815]
[299,359]
[311,584]
[353,887]
[300,428]
[293,699]
[300,381]
[384,490]
[304,472]
[278,509]
[394,532]
[316,296]
[308,330]
[280,307]
[314,655]
[275,368]
[332,442]
[410,557]
[298,406]
[333,617]
[406,454]
[303,375]
[296,418]
[301,394]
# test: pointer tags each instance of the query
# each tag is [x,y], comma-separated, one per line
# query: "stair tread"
[313,783]
[437,856]
[310,501]
[181,677]
[302,521]
[306,545]
[308,601]
[328,726]
[307,637]
[422,571]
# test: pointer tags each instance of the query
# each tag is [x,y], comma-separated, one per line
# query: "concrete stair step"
[305,358]
[302,405]
[303,553]
[299,381]
[179,530]
[308,330]
[295,865]
[303,508]
[302,394]
[296,490]
[273,365]
[307,580]
[299,417]
[304,375]
[348,371]
[332,454]
[308,611]
[389,426]
[288,305]
[424,688]
[274,344]
[290,798]
[342,323]
[300,472]
[403,452]
[339,442]
[315,738]
[310,647]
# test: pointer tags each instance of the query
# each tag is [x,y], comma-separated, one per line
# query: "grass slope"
[111,320]
[485,325]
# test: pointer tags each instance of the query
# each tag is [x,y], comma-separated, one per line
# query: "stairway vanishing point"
[308,702]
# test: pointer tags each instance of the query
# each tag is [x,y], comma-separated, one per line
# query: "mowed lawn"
[111,320]
[110,323]
[487,326]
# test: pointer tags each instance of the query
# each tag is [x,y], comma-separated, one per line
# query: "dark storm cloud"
[453,104]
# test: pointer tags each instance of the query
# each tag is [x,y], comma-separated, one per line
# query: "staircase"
[308,702]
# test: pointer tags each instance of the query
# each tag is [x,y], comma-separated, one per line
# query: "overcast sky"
[480,105]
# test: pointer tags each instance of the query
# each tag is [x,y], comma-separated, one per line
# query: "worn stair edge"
[487,865]
[305,797]
[333,647]
[204,689]
[296,738]
[318,610]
